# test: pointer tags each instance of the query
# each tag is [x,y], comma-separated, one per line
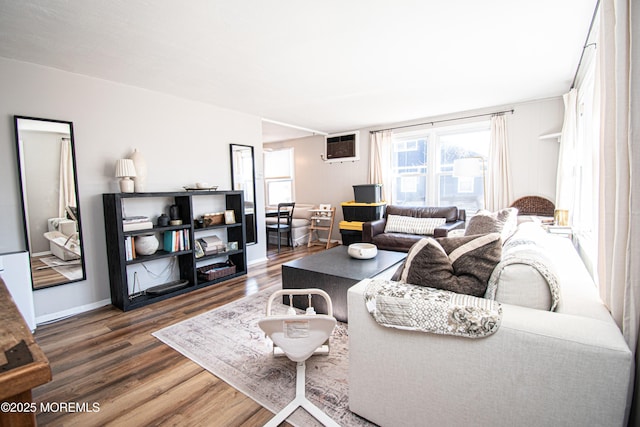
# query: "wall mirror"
[243,178]
[53,231]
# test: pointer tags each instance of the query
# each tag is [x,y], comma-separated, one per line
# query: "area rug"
[228,343]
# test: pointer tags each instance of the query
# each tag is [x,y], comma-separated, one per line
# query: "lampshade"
[125,168]
[467,167]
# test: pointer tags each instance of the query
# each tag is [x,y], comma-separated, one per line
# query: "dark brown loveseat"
[374,231]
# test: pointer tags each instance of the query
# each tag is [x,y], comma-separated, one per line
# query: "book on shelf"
[212,245]
[176,240]
[133,226]
[139,222]
[132,219]
[129,248]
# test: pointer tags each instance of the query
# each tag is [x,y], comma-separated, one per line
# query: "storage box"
[213,219]
[351,225]
[363,212]
[216,271]
[367,193]
[351,236]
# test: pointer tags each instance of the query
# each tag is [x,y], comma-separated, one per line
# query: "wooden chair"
[534,205]
[285,212]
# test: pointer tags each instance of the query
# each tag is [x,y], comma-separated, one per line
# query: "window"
[423,166]
[584,210]
[410,162]
[278,176]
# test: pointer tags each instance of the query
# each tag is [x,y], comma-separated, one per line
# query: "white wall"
[533,161]
[182,141]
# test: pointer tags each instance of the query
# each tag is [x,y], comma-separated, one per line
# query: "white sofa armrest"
[542,367]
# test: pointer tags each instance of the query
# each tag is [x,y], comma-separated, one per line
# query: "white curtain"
[498,186]
[567,156]
[380,163]
[67,193]
[619,201]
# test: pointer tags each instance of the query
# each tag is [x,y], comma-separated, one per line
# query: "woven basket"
[216,271]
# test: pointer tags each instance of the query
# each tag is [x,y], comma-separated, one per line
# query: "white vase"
[141,171]
[146,245]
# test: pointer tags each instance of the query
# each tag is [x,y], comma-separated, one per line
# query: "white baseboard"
[52,317]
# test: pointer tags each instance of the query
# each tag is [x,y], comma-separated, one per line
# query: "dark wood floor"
[109,358]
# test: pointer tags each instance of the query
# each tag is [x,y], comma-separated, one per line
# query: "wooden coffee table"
[334,271]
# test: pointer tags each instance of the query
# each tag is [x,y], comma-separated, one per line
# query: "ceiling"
[329,66]
[274,132]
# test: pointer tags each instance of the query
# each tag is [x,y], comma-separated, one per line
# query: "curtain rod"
[497,113]
[586,44]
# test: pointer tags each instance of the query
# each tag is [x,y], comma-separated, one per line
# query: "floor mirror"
[49,190]
[243,179]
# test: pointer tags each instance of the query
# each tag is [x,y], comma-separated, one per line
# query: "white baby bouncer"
[299,336]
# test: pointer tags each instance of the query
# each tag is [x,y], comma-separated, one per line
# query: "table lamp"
[125,169]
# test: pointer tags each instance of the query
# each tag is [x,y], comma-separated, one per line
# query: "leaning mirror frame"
[243,174]
[55,242]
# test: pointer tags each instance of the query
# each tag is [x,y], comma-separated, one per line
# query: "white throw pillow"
[411,225]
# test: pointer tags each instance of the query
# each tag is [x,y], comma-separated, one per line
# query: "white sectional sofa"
[570,367]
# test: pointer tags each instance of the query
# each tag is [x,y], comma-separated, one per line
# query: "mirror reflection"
[243,179]
[47,166]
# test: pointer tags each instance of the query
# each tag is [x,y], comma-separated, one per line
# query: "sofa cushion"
[525,276]
[395,241]
[457,264]
[529,232]
[302,211]
[449,212]
[295,222]
[504,221]
[412,225]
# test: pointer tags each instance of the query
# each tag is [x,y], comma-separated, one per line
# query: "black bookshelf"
[186,259]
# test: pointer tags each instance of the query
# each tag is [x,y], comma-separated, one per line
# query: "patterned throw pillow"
[411,225]
[458,264]
[504,221]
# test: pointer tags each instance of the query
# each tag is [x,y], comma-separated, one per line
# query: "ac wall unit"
[342,147]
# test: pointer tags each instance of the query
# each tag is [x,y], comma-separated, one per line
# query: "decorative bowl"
[362,250]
